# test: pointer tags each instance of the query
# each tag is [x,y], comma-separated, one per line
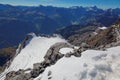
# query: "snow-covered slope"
[92,65]
[34,52]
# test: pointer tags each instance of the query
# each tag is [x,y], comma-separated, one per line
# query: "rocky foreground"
[53,58]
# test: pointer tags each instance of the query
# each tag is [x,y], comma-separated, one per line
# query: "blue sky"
[65,3]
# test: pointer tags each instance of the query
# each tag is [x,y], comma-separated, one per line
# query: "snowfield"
[103,27]
[66,50]
[92,65]
[34,52]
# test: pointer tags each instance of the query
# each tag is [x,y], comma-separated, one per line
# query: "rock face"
[25,41]
[5,55]
[11,52]
[8,54]
[81,35]
[107,38]
[78,39]
[19,75]
[53,53]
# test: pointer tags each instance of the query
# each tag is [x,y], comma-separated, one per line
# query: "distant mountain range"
[17,21]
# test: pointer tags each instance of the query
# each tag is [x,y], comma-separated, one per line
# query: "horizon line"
[56,6]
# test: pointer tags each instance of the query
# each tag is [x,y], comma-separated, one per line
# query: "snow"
[103,27]
[34,52]
[32,34]
[95,33]
[92,65]
[89,9]
[66,50]
[76,47]
[99,29]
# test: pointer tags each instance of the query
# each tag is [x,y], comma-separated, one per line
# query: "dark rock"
[53,53]
[49,73]
[67,55]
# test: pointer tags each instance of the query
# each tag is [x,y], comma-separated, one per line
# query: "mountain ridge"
[46,19]
[53,54]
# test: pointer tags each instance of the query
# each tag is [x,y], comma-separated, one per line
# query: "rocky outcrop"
[25,41]
[78,39]
[53,53]
[5,55]
[14,52]
[108,38]
[19,75]
[51,57]
[77,52]
[8,54]
[84,34]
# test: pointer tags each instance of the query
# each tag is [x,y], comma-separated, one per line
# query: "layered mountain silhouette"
[17,21]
